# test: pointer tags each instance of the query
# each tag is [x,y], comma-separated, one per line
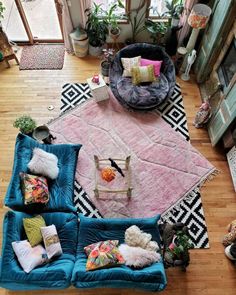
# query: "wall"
[125,28]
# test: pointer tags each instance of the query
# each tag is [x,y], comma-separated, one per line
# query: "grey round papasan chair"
[145,96]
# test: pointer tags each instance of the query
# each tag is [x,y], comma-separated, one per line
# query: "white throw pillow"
[128,63]
[51,241]
[138,257]
[44,163]
[29,257]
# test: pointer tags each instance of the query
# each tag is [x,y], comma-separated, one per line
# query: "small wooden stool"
[9,57]
[124,164]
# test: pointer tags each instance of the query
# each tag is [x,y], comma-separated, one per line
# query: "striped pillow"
[143,74]
[32,229]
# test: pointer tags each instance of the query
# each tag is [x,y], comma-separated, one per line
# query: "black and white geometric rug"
[190,210]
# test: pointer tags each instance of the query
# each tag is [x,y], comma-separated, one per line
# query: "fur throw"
[44,163]
[137,257]
[135,237]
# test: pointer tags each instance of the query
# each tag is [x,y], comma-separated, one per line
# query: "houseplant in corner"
[26,124]
[96,28]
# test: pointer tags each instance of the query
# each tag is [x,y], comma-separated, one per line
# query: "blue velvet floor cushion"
[61,189]
[54,275]
[92,230]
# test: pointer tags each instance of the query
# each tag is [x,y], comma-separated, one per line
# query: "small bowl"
[40,133]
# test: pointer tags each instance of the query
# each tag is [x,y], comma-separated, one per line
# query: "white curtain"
[67,26]
[83,4]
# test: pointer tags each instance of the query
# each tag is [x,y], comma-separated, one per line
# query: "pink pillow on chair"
[155,63]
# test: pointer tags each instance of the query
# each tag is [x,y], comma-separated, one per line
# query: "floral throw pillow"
[34,188]
[103,254]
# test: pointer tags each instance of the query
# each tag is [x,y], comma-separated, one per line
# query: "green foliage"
[175,8]
[25,123]
[183,244]
[156,29]
[2,8]
[96,25]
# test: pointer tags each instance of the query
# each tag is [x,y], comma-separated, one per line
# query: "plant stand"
[124,164]
[115,44]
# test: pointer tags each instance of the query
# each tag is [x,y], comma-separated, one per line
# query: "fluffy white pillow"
[51,241]
[29,257]
[44,163]
[138,257]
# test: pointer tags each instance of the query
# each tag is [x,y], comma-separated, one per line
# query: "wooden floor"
[31,92]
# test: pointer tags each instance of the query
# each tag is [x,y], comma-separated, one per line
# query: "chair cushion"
[60,189]
[143,95]
[54,275]
[143,74]
[91,230]
[32,228]
[155,63]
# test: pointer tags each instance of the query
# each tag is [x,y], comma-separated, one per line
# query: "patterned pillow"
[32,229]
[128,63]
[34,188]
[104,254]
[29,257]
[155,63]
[51,241]
[88,249]
[143,74]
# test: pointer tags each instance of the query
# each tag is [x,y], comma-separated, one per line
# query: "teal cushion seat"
[60,189]
[92,230]
[54,275]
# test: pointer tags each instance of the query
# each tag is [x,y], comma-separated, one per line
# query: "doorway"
[32,21]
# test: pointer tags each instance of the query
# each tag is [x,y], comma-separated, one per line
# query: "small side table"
[99,91]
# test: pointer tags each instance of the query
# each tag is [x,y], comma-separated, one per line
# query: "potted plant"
[175,9]
[96,28]
[178,249]
[112,20]
[136,17]
[157,30]
[25,123]
[108,55]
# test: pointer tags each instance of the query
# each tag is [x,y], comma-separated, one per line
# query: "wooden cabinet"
[225,115]
[222,18]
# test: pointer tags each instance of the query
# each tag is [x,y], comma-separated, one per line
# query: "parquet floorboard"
[31,92]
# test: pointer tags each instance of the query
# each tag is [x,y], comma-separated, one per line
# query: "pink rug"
[165,168]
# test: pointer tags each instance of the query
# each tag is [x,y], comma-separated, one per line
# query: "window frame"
[127,8]
[155,18]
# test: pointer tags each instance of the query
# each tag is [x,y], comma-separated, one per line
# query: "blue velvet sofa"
[151,278]
[54,275]
[69,268]
[61,189]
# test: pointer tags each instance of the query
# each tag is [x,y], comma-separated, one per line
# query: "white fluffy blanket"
[138,257]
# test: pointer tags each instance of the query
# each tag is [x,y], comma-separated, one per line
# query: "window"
[106,4]
[158,8]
